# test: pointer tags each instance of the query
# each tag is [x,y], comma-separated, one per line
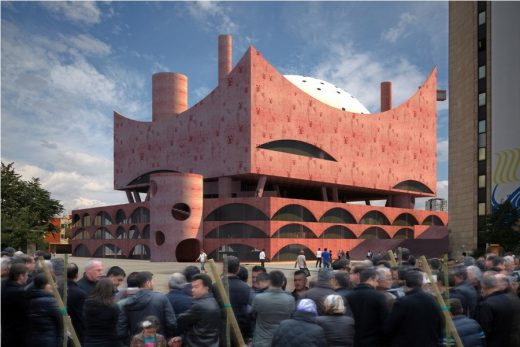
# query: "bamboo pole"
[237,335]
[447,291]
[225,282]
[65,294]
[63,310]
[442,303]
[392,259]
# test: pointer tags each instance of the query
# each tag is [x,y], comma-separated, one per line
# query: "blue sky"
[66,66]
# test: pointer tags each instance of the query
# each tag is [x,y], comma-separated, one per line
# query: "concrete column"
[169,95]
[324,196]
[401,201]
[386,96]
[129,196]
[225,57]
[261,186]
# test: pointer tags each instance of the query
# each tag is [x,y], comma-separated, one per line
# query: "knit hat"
[307,305]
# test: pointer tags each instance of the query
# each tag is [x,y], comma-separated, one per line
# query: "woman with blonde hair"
[338,327]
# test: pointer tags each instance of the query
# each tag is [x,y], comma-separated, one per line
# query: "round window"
[181,211]
[159,238]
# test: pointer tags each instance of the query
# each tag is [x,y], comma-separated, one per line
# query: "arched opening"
[405,233]
[108,250]
[290,252]
[298,148]
[374,218]
[103,234]
[86,220]
[414,186]
[140,215]
[76,221]
[120,233]
[187,250]
[338,232]
[374,233]
[236,231]
[81,234]
[121,217]
[432,220]
[294,213]
[103,218]
[133,233]
[146,232]
[140,251]
[236,212]
[294,231]
[241,251]
[337,215]
[405,219]
[81,251]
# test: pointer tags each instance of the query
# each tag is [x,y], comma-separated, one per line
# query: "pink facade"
[259,163]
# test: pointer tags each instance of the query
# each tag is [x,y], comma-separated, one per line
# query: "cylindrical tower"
[169,95]
[386,96]
[225,57]
[175,216]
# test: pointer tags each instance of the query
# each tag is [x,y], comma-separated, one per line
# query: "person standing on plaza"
[75,300]
[301,262]
[93,273]
[300,284]
[261,257]
[320,290]
[325,256]
[203,257]
[318,258]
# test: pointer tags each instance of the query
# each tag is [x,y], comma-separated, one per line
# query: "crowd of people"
[362,303]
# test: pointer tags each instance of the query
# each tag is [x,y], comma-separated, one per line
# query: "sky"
[66,66]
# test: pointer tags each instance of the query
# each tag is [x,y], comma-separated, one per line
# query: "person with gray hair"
[458,278]
[474,277]
[93,273]
[322,288]
[384,284]
[179,299]
[337,326]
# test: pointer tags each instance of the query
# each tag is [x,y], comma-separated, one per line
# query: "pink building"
[272,162]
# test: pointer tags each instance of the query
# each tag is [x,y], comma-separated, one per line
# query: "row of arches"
[298,231]
[248,253]
[109,250]
[103,233]
[298,213]
[138,216]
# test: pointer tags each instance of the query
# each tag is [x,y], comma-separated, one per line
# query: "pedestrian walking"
[301,262]
[326,258]
[203,257]
[318,258]
[261,257]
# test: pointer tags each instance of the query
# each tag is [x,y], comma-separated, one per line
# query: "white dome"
[328,93]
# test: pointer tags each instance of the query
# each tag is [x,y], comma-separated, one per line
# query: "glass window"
[482,126]
[482,72]
[482,181]
[482,209]
[482,140]
[482,154]
[482,99]
[482,18]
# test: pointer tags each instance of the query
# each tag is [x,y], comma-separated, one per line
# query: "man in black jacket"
[369,309]
[75,300]
[458,278]
[14,318]
[416,319]
[321,289]
[93,273]
[202,321]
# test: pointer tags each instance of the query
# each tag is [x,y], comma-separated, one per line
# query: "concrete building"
[484,102]
[272,162]
[436,204]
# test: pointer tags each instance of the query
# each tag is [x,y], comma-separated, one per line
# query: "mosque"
[267,161]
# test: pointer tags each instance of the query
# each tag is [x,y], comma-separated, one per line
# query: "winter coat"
[469,331]
[179,300]
[138,341]
[369,310]
[14,316]
[100,324]
[239,293]
[318,293]
[86,284]
[146,303]
[75,300]
[415,320]
[338,329]
[201,323]
[470,297]
[44,320]
[270,307]
[494,314]
[299,331]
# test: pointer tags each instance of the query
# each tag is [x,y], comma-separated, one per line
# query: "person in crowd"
[30,263]
[505,283]
[300,284]
[146,303]
[341,265]
[355,274]
[421,313]
[468,329]
[6,265]
[148,335]
[117,276]
[322,288]
[44,323]
[189,272]
[302,329]
[262,257]
[132,287]
[59,271]
[270,308]
[325,258]
[14,318]
[342,285]
[93,273]
[203,257]
[318,258]
[474,275]
[261,284]
[255,271]
[301,262]
[243,274]
[458,278]
[494,313]
[384,284]
[337,326]
[75,300]
[369,309]
[201,322]
[100,315]
[178,298]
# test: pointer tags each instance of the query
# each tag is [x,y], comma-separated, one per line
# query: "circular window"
[159,238]
[181,211]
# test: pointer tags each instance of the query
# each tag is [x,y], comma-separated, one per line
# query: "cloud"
[84,12]
[442,151]
[212,16]
[401,29]
[89,45]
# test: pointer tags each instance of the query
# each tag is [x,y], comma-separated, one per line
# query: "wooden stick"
[66,318]
[392,259]
[237,335]
[440,300]
[447,291]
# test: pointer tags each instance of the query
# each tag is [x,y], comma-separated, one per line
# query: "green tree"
[26,210]
[502,226]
